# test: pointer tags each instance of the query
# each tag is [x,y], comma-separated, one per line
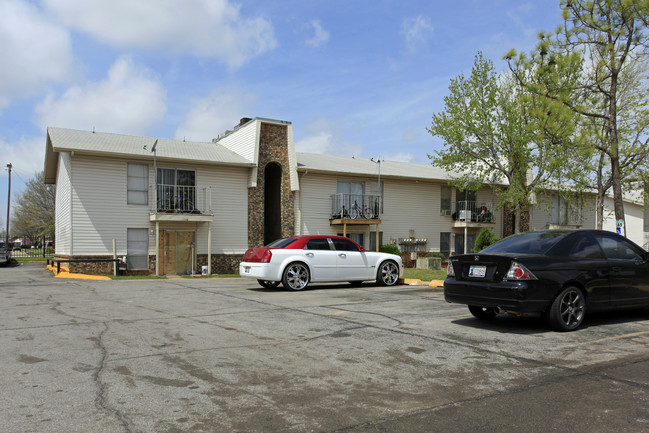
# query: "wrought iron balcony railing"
[357,206]
[180,199]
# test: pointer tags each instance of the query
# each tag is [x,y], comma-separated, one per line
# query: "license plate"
[477,271]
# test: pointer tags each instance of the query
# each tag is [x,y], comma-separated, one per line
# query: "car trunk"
[481,267]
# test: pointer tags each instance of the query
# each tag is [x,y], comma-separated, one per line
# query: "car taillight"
[254,256]
[450,272]
[519,272]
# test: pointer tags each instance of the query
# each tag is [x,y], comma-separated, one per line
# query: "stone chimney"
[243,121]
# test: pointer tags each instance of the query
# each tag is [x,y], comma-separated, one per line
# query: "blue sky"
[355,77]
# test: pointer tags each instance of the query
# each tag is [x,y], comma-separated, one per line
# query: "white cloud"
[130,100]
[26,156]
[327,136]
[401,157]
[320,37]
[219,111]
[417,31]
[203,28]
[33,50]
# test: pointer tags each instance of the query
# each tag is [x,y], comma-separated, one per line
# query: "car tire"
[483,313]
[566,313]
[388,273]
[296,276]
[268,284]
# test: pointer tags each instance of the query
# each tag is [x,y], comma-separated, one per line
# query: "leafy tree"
[496,133]
[33,214]
[485,238]
[589,64]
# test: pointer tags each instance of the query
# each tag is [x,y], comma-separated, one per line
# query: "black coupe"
[558,273]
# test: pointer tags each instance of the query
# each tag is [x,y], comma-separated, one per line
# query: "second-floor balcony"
[356,207]
[182,201]
[471,212]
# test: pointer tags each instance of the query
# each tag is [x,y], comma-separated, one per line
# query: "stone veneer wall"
[508,221]
[99,268]
[221,263]
[273,147]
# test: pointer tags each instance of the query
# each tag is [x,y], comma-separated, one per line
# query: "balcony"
[180,203]
[472,214]
[355,209]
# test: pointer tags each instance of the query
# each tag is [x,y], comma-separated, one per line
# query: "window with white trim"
[137,180]
[137,248]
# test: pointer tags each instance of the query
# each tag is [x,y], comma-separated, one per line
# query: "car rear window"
[281,243]
[526,243]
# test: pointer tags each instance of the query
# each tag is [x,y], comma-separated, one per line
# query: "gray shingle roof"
[366,167]
[132,146]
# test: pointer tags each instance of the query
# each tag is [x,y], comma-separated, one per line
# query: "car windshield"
[281,243]
[526,243]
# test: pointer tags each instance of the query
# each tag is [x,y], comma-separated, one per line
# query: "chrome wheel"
[296,276]
[388,273]
[567,310]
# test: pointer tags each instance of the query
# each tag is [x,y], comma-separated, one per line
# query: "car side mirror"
[362,250]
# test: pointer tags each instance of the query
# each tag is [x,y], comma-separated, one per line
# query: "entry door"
[179,252]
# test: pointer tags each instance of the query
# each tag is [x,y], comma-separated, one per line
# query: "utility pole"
[8,206]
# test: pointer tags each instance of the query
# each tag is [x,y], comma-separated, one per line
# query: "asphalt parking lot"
[225,355]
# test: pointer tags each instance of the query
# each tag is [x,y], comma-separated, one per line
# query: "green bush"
[436,254]
[390,249]
[484,239]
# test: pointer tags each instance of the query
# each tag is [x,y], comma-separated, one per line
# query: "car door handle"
[342,255]
[309,254]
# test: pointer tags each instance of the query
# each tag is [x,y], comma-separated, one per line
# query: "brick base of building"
[221,264]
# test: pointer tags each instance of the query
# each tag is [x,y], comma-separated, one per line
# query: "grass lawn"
[30,259]
[424,274]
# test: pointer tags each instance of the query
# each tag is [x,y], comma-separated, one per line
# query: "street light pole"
[8,206]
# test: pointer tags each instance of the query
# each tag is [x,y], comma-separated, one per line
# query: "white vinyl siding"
[230,206]
[137,251]
[137,184]
[63,206]
[100,213]
[244,142]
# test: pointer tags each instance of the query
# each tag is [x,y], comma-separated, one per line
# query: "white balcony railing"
[180,199]
[470,211]
[358,206]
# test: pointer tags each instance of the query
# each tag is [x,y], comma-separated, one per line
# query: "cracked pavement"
[217,355]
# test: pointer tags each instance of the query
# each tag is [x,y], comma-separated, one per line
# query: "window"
[137,248]
[579,246]
[137,184]
[559,210]
[349,196]
[445,243]
[318,244]
[375,201]
[359,238]
[618,249]
[176,190]
[445,200]
[373,240]
[344,245]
